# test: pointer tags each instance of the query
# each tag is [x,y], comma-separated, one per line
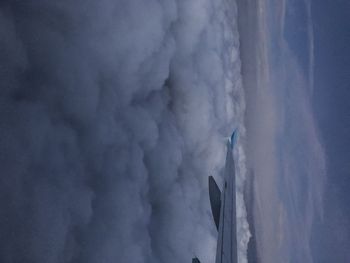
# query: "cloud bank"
[113,114]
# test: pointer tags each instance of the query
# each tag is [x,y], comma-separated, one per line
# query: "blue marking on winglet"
[233,138]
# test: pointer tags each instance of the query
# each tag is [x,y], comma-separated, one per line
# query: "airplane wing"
[226,251]
[223,207]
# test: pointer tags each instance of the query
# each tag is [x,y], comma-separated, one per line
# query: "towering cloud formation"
[113,114]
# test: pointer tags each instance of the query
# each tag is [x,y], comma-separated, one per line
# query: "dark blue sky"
[324,29]
[331,100]
[297,33]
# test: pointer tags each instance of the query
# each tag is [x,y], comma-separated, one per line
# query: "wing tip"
[233,138]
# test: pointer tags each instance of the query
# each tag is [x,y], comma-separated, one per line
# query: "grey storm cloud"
[113,114]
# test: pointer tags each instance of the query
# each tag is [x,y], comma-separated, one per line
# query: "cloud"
[112,117]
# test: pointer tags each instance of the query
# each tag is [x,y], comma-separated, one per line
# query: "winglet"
[233,138]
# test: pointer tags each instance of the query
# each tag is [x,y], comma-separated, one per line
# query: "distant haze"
[285,151]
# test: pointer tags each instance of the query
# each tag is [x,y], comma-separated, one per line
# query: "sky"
[298,123]
[329,100]
[332,68]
